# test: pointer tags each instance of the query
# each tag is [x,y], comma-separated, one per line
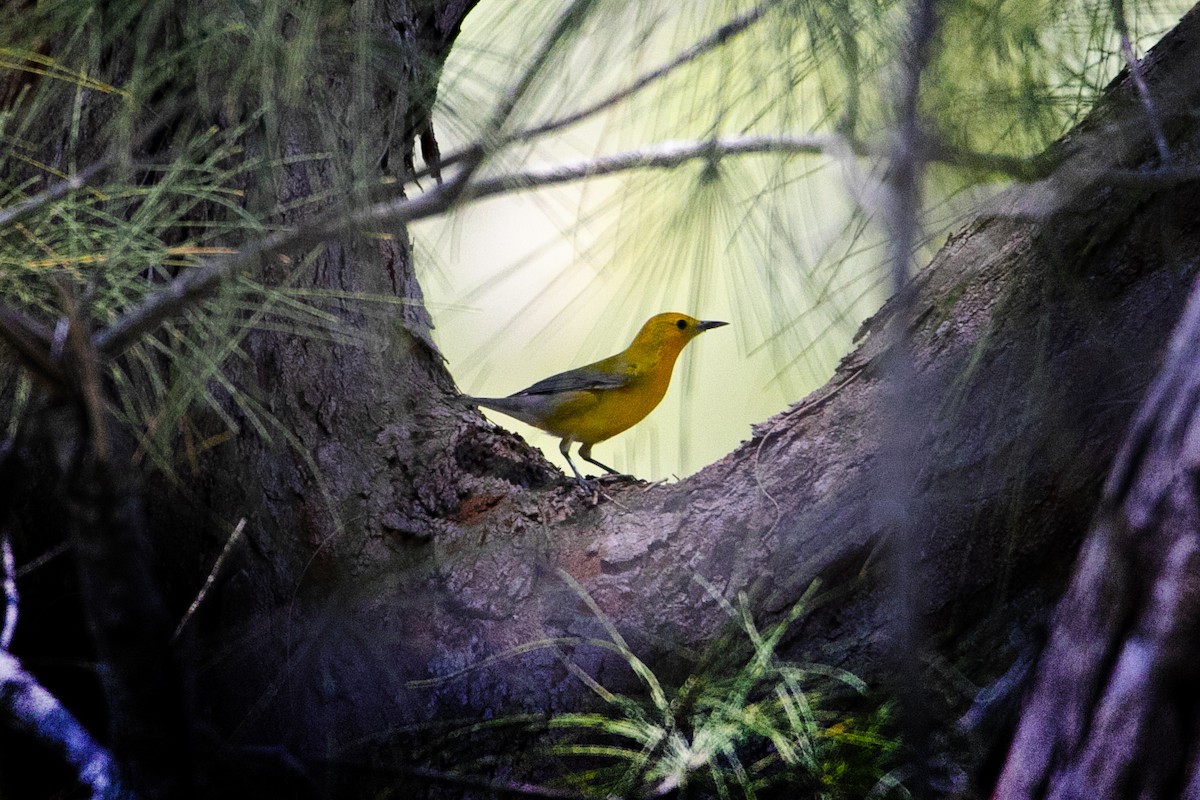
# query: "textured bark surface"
[1115,709]
[1037,330]
[337,481]
[336,485]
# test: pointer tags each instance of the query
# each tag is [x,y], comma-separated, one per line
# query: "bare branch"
[234,538]
[26,707]
[1139,83]
[202,281]
[669,154]
[198,283]
[45,558]
[26,208]
[30,206]
[714,40]
[30,709]
[709,43]
[9,565]
[492,138]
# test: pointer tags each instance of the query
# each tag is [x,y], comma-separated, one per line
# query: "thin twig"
[45,558]
[570,20]
[902,460]
[492,138]
[674,153]
[1139,83]
[202,281]
[30,206]
[212,576]
[714,40]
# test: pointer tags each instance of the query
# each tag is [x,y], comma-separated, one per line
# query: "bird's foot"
[618,477]
[590,488]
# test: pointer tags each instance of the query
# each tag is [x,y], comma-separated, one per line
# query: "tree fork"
[1036,328]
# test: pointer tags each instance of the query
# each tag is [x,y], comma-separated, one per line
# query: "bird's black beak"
[709,323]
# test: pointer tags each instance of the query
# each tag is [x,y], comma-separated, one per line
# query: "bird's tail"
[516,407]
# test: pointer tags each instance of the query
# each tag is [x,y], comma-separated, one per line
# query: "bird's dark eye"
[681,324]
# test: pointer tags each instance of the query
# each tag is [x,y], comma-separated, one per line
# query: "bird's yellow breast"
[593,415]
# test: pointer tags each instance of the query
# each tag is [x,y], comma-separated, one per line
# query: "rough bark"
[1036,329]
[1114,709]
[306,491]
[331,495]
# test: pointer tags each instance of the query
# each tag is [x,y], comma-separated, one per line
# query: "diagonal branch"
[716,39]
[202,281]
[27,708]
[1139,83]
[26,208]
[33,344]
[199,283]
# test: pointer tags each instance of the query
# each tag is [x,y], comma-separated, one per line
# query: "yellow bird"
[596,402]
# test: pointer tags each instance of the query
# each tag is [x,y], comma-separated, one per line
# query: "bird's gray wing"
[581,379]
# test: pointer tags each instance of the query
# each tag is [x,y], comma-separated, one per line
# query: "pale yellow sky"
[528,285]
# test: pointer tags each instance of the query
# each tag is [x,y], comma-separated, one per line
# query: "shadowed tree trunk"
[325,494]
[1113,712]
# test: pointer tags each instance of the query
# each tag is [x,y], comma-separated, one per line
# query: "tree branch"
[1139,82]
[907,404]
[202,281]
[709,43]
[32,343]
[1057,189]
[31,710]
[8,564]
[26,208]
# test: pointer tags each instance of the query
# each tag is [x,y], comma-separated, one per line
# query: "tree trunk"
[325,494]
[1114,711]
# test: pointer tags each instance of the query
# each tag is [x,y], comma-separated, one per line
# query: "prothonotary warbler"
[593,403]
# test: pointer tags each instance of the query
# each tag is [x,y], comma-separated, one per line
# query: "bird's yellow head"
[669,332]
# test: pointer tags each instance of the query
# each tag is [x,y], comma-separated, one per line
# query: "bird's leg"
[564,447]
[586,452]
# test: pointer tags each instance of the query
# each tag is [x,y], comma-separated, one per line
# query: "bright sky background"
[528,285]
